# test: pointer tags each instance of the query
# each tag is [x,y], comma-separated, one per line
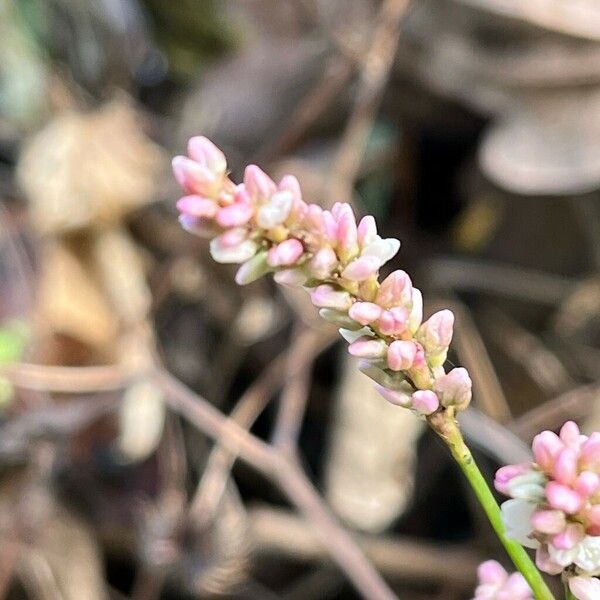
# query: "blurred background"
[469,128]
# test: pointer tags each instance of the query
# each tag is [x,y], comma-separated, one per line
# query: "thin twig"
[292,403]
[373,77]
[286,474]
[279,532]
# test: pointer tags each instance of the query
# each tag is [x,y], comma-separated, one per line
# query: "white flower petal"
[588,554]
[516,515]
[275,211]
[585,588]
[234,254]
[384,250]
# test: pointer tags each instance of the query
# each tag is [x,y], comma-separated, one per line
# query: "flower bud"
[549,522]
[435,335]
[197,206]
[290,277]
[258,184]
[563,498]
[590,453]
[368,348]
[366,231]
[285,254]
[364,312]
[232,254]
[505,474]
[393,321]
[323,263]
[395,290]
[394,397]
[401,355]
[491,572]
[326,296]
[571,535]
[425,402]
[252,269]
[362,268]
[203,151]
[341,319]
[194,177]
[391,381]
[290,184]
[416,312]
[546,447]
[234,215]
[454,388]
[587,483]
[585,588]
[198,226]
[565,466]
[347,235]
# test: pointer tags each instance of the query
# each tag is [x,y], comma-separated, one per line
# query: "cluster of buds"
[555,503]
[268,227]
[496,584]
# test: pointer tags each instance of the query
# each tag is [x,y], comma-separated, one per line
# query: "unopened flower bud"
[203,151]
[546,447]
[416,312]
[234,215]
[382,249]
[393,321]
[290,277]
[401,355]
[232,254]
[362,268]
[454,388]
[394,397]
[194,177]
[425,402]
[563,498]
[326,296]
[322,263]
[365,312]
[368,348]
[285,254]
[395,290]
[258,184]
[197,206]
[435,335]
[366,231]
[549,522]
[252,269]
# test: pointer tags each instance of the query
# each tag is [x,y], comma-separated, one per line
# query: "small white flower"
[276,210]
[383,249]
[529,486]
[588,554]
[516,515]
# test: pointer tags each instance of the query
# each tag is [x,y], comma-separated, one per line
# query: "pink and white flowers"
[496,584]
[555,501]
[267,227]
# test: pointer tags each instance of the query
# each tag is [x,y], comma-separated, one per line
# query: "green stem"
[447,428]
[568,594]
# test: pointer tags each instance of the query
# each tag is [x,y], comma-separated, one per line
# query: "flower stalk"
[446,426]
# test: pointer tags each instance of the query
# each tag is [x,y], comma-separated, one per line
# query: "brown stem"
[288,476]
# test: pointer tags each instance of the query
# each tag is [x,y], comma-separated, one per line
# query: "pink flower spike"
[364,312]
[585,588]
[326,296]
[393,321]
[285,254]
[362,268]
[550,522]
[401,355]
[368,348]
[234,215]
[258,184]
[425,402]
[394,397]
[197,206]
[367,231]
[504,475]
[572,534]
[565,466]
[546,446]
[564,498]
[203,151]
